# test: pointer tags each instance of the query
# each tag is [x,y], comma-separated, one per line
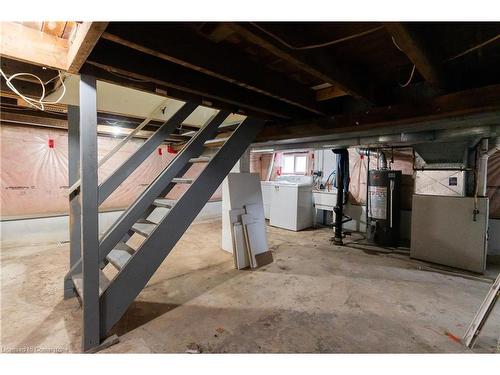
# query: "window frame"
[295,156]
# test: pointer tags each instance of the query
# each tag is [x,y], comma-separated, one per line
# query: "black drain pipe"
[367,191]
[342,157]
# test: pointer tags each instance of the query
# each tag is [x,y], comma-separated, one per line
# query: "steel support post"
[74,199]
[89,212]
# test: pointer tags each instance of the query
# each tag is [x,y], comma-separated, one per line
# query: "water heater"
[384,197]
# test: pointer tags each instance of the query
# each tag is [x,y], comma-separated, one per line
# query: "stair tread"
[216,142]
[78,283]
[144,221]
[120,255]
[200,159]
[183,180]
[143,229]
[163,202]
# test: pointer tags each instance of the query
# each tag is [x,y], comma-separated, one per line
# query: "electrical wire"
[397,46]
[412,70]
[473,48]
[318,45]
[36,103]
[409,79]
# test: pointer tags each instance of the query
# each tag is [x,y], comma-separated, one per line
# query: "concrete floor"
[315,297]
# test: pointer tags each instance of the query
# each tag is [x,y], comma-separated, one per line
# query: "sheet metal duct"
[442,152]
[401,138]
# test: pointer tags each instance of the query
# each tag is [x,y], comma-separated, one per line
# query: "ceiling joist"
[323,68]
[85,39]
[483,101]
[328,93]
[421,57]
[127,62]
[201,55]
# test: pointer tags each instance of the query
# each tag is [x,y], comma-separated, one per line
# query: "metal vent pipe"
[377,154]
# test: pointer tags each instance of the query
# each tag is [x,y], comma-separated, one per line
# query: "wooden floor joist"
[476,101]
[124,61]
[323,68]
[195,52]
[410,44]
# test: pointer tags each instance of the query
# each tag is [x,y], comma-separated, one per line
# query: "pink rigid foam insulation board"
[34,176]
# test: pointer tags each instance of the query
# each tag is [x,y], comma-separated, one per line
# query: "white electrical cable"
[412,70]
[40,102]
[318,45]
[491,40]
[398,47]
[409,79]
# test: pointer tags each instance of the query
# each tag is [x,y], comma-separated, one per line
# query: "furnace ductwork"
[377,154]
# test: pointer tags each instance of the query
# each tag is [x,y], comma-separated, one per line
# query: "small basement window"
[294,164]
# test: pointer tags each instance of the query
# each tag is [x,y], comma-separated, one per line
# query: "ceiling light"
[116,130]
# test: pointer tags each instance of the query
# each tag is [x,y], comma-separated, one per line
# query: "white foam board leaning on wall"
[238,190]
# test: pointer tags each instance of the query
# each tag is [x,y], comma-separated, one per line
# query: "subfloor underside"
[315,297]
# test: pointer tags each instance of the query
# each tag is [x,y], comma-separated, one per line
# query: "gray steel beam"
[74,200]
[155,190]
[129,165]
[133,278]
[89,212]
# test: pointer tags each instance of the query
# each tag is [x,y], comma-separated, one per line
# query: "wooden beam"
[55,28]
[426,64]
[87,35]
[471,102]
[323,68]
[107,74]
[27,88]
[200,54]
[34,46]
[136,65]
[19,119]
[10,67]
[32,120]
[329,93]
[106,121]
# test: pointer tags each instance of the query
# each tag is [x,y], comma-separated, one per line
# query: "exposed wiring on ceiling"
[473,48]
[409,79]
[396,44]
[38,103]
[319,45]
[412,69]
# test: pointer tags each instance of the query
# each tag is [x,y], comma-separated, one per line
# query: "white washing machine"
[292,202]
